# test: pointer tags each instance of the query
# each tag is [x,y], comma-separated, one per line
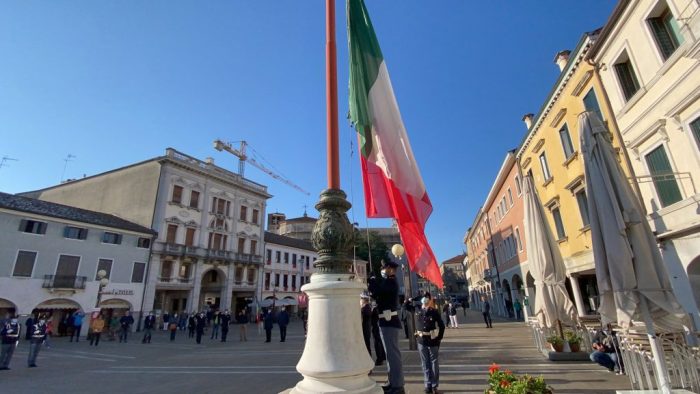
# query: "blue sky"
[116,82]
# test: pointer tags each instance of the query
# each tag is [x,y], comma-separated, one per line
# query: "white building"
[289,264]
[210,223]
[648,56]
[50,255]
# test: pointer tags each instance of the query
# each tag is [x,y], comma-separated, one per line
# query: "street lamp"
[104,281]
[398,250]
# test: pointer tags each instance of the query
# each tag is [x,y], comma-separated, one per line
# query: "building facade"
[289,264]
[50,256]
[209,220]
[550,152]
[648,57]
[497,244]
[454,278]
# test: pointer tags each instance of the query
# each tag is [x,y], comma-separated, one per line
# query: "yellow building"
[551,153]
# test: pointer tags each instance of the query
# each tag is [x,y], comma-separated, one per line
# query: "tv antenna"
[68,158]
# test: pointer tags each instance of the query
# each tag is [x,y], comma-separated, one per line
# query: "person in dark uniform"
[268,321]
[191,324]
[429,332]
[378,345]
[200,323]
[38,335]
[10,337]
[386,292]
[282,322]
[225,321]
[366,312]
[148,325]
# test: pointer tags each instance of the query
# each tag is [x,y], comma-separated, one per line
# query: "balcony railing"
[176,280]
[64,282]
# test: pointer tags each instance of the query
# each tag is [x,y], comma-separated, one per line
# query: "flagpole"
[333,168]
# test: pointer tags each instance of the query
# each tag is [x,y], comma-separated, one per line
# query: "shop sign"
[118,292]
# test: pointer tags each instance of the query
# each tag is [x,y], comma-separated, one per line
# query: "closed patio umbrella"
[552,303]
[632,278]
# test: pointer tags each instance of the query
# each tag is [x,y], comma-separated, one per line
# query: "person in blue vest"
[386,292]
[77,325]
[283,322]
[38,335]
[268,323]
[10,337]
[148,325]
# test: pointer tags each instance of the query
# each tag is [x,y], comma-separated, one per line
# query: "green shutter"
[582,200]
[590,102]
[663,177]
[566,141]
[628,81]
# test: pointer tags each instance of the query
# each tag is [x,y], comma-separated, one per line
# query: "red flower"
[494,368]
[505,383]
[508,372]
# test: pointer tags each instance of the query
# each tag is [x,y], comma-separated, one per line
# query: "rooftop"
[288,241]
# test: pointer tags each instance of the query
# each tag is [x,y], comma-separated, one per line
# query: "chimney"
[562,58]
[209,160]
[527,118]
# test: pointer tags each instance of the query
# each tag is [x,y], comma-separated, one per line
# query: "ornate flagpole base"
[335,359]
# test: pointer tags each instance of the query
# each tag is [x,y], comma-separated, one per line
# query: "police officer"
[10,338]
[38,335]
[225,321]
[366,312]
[429,332]
[148,325]
[386,292]
[200,323]
[378,345]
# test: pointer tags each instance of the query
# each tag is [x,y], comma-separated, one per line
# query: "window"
[566,141]
[24,265]
[517,185]
[137,272]
[267,280]
[561,234]
[241,245]
[220,206]
[194,199]
[67,266]
[253,246]
[663,177]
[285,281]
[510,197]
[244,213]
[74,232]
[189,237]
[238,275]
[256,213]
[590,102]
[666,33]
[294,260]
[268,256]
[278,256]
[251,275]
[517,239]
[545,168]
[286,257]
[217,241]
[277,280]
[583,207]
[177,194]
[307,261]
[111,238]
[294,282]
[166,269]
[32,226]
[695,128]
[104,264]
[626,76]
[143,243]
[171,235]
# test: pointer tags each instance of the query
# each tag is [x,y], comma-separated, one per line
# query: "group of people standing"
[10,334]
[269,318]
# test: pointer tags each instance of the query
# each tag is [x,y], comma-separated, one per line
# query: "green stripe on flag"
[365,60]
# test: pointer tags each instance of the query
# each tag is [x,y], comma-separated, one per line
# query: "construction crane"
[4,160]
[243,158]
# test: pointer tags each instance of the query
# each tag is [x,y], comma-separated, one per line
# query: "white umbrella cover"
[552,302]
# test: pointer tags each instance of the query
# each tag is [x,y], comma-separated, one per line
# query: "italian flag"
[393,185]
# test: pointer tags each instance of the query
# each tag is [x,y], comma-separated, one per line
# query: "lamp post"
[104,281]
[398,251]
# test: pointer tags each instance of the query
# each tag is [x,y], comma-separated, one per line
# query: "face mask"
[384,275]
[424,301]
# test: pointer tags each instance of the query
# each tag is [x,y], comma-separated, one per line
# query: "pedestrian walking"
[446,311]
[377,337]
[191,324]
[200,323]
[268,322]
[182,321]
[486,311]
[386,292]
[453,316]
[77,325]
[49,333]
[125,325]
[224,321]
[260,321]
[366,313]
[10,338]
[37,338]
[149,324]
[429,334]
[404,319]
[166,321]
[518,309]
[96,325]
[464,308]
[242,320]
[283,321]
[172,326]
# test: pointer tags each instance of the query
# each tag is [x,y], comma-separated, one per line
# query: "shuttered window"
[111,238]
[582,200]
[566,141]
[590,102]
[24,265]
[545,167]
[666,33]
[177,194]
[189,237]
[627,78]
[75,232]
[558,223]
[171,234]
[663,177]
[104,264]
[32,226]
[194,199]
[138,272]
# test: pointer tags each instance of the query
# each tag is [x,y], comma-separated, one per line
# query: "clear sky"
[116,82]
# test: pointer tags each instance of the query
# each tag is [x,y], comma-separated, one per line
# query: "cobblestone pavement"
[257,367]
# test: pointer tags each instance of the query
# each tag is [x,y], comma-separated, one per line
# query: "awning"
[58,304]
[115,303]
[6,304]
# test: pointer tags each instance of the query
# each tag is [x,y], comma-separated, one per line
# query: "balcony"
[246,258]
[64,282]
[174,281]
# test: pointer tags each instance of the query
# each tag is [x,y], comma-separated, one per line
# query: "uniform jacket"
[38,332]
[10,333]
[224,320]
[428,320]
[268,321]
[150,322]
[126,321]
[386,293]
[200,322]
[366,312]
[283,319]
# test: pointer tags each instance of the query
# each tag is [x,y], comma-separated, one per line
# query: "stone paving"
[258,367]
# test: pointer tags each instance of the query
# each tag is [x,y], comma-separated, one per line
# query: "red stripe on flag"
[383,199]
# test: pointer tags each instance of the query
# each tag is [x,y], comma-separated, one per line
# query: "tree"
[376,248]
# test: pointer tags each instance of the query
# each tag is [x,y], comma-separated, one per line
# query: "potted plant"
[556,342]
[574,340]
[506,382]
